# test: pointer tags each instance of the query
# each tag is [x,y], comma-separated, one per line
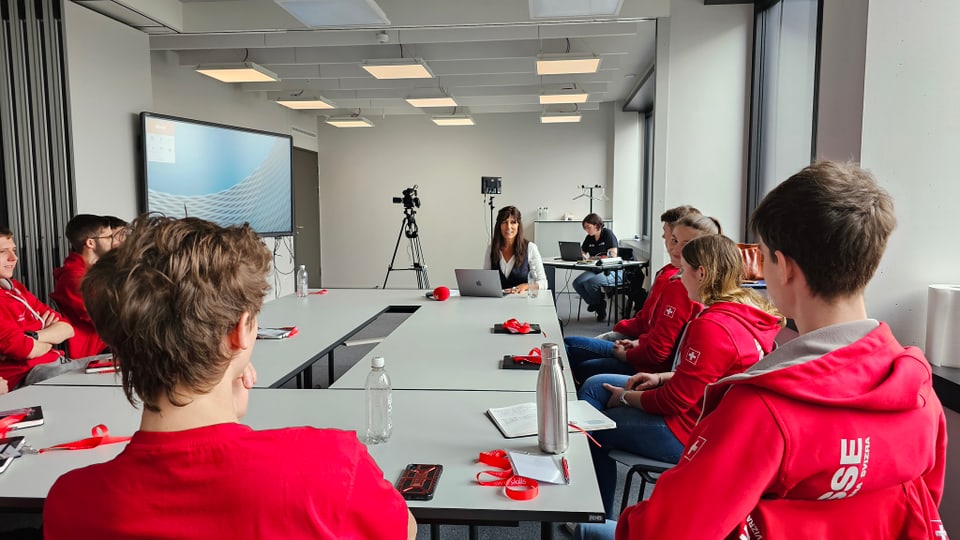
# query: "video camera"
[409,199]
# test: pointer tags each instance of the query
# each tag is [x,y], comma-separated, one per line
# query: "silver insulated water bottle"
[552,431]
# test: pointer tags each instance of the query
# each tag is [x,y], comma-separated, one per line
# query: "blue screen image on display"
[220,173]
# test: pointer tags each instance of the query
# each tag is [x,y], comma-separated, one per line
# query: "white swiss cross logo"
[692,356]
[669,311]
[940,532]
[694,448]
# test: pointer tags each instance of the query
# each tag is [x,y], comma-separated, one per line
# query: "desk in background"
[551,265]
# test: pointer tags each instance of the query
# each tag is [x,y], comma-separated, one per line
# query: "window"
[783,108]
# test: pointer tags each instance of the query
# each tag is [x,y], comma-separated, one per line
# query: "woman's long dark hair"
[498,242]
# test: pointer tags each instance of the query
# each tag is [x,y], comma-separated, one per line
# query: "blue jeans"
[596,531]
[593,356]
[588,285]
[637,432]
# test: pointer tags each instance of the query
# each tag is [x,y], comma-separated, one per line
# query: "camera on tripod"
[409,199]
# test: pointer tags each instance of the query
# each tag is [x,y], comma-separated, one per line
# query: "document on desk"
[541,467]
[521,420]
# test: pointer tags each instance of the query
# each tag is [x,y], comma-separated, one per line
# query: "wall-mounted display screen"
[225,174]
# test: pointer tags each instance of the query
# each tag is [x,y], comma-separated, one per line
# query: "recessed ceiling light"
[445,101]
[238,72]
[306,103]
[559,118]
[453,120]
[349,121]
[400,68]
[561,64]
[318,14]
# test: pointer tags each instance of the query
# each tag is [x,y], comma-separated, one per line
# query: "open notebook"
[521,420]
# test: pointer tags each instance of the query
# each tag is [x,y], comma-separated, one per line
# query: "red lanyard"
[518,488]
[9,421]
[100,436]
[532,357]
[516,327]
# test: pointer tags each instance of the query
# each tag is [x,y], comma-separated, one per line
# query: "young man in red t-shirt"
[178,305]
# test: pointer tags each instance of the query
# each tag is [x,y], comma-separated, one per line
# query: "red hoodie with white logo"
[672,309]
[641,322]
[724,339]
[837,434]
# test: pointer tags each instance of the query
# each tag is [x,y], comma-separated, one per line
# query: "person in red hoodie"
[670,309]
[29,329]
[655,412]
[641,323]
[90,237]
[837,434]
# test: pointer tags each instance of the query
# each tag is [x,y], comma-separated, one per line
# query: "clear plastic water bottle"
[379,403]
[552,432]
[302,281]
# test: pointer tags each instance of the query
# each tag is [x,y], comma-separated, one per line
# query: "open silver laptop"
[479,282]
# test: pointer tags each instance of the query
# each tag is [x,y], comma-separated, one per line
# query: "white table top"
[324,321]
[449,428]
[451,346]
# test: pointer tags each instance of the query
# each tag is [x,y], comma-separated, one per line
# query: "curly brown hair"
[166,299]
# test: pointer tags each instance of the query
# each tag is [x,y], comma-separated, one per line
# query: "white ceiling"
[482,52]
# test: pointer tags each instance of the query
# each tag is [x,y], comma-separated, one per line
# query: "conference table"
[444,362]
[449,428]
[446,345]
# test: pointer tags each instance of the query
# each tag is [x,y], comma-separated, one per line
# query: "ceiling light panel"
[559,118]
[542,9]
[349,121]
[444,101]
[562,64]
[563,97]
[325,13]
[400,68]
[306,104]
[238,72]
[453,120]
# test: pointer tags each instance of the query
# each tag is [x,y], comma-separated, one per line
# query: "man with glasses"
[90,237]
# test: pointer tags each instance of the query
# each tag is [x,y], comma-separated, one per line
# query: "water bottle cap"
[303,267]
[376,362]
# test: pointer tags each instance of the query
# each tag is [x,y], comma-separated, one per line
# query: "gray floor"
[347,356]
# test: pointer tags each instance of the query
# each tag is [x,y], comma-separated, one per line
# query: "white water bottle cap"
[376,362]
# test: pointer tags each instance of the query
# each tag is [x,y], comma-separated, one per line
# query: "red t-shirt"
[229,481]
[66,293]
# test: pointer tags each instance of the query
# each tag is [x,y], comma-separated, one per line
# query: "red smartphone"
[418,481]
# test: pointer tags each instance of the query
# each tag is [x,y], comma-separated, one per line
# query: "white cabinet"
[547,234]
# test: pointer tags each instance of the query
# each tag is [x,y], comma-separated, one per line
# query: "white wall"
[911,132]
[113,76]
[842,50]
[702,112]
[361,170]
[108,66]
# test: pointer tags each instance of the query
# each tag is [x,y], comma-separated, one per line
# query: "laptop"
[570,251]
[479,282]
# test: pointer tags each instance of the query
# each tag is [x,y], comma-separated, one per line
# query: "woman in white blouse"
[517,258]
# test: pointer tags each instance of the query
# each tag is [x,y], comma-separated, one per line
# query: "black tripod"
[492,224]
[409,228]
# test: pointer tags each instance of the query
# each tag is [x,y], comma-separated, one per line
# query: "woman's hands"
[636,382]
[519,289]
[621,346]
